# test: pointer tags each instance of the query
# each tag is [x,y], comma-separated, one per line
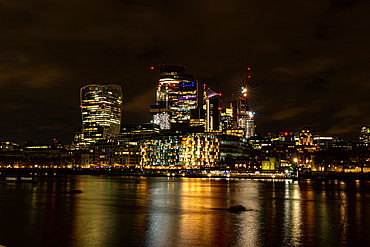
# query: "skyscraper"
[177,94]
[243,117]
[243,114]
[212,107]
[101,108]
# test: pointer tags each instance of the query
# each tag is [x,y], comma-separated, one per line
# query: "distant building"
[323,142]
[39,155]
[364,137]
[271,163]
[117,151]
[340,144]
[101,109]
[122,150]
[138,132]
[226,118]
[232,147]
[8,146]
[243,117]
[305,137]
[176,96]
[305,141]
[212,109]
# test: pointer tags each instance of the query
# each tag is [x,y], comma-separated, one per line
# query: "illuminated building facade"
[283,138]
[305,141]
[243,117]
[8,146]
[212,108]
[271,163]
[122,150]
[101,108]
[180,151]
[138,132]
[163,151]
[323,142]
[305,137]
[117,151]
[364,137]
[176,96]
[226,118]
[232,146]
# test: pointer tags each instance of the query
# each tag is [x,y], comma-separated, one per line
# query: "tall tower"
[243,115]
[212,107]
[177,94]
[101,109]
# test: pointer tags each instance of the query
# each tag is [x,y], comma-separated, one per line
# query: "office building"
[364,137]
[226,118]
[101,109]
[191,151]
[243,117]
[212,109]
[176,96]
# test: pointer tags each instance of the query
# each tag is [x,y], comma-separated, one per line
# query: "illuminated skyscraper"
[101,108]
[243,114]
[212,108]
[243,117]
[177,94]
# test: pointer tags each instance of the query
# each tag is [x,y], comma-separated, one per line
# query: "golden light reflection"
[170,211]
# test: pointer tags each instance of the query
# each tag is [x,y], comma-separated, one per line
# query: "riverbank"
[195,173]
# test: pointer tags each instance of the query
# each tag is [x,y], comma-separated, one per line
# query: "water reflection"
[134,211]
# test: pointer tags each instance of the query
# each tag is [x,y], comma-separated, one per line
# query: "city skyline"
[309,62]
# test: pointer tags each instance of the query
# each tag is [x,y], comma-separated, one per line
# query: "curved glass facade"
[101,109]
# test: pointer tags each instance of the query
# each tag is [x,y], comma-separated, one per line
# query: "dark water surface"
[138,211]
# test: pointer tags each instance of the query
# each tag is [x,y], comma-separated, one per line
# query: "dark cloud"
[309,59]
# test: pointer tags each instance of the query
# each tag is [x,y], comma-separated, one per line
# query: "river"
[161,211]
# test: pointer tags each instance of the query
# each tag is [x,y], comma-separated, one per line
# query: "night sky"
[309,60]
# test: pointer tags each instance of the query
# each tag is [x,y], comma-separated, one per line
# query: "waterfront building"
[232,146]
[177,95]
[101,109]
[122,150]
[116,151]
[40,156]
[190,151]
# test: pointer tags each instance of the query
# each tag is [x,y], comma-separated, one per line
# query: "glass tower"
[243,117]
[176,96]
[101,108]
